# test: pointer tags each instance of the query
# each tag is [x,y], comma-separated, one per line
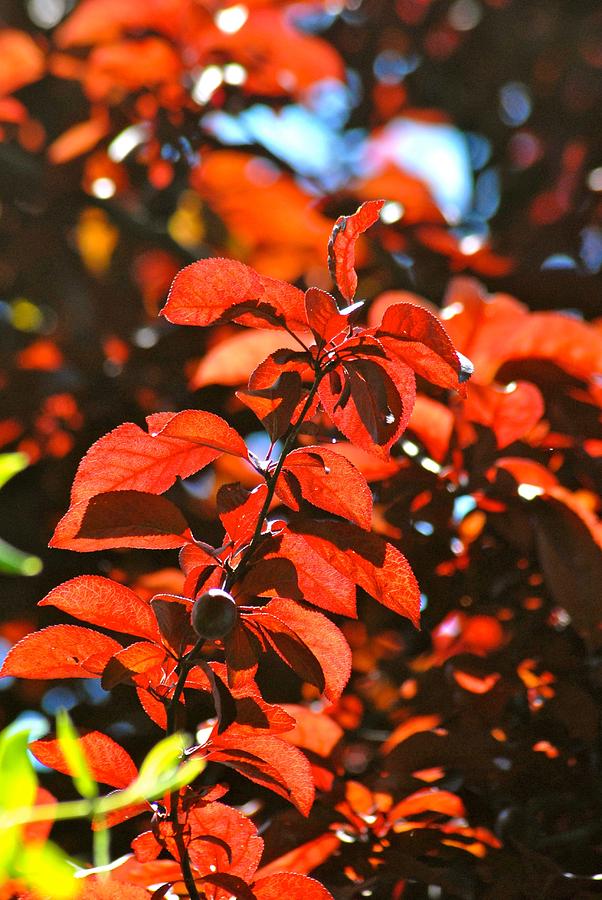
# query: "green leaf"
[46,867]
[11,464]
[162,771]
[74,756]
[18,787]
[16,562]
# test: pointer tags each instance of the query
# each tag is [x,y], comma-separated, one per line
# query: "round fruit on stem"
[214,614]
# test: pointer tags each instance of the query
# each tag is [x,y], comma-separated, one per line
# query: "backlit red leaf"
[304,858]
[373,563]
[369,400]
[323,638]
[291,886]
[417,338]
[327,480]
[276,405]
[233,359]
[100,601]
[323,315]
[269,761]
[22,60]
[290,568]
[128,458]
[121,519]
[289,646]
[511,411]
[140,658]
[428,800]
[341,247]
[218,289]
[60,651]
[219,839]
[108,762]
[239,510]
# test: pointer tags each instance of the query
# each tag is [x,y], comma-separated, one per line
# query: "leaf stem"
[182,668]
[272,479]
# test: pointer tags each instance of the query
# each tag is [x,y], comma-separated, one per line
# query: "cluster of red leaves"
[363,380]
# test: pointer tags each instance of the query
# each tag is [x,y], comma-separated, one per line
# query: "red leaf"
[369,400]
[433,423]
[314,731]
[341,247]
[289,646]
[103,602]
[146,847]
[60,651]
[304,858]
[322,637]
[218,289]
[291,886]
[275,406]
[428,800]
[39,831]
[153,707]
[290,568]
[253,713]
[121,519]
[323,315]
[373,563]
[22,60]
[511,411]
[140,658]
[418,338]
[270,761]
[235,887]
[129,459]
[239,510]
[242,649]
[233,360]
[202,428]
[109,890]
[109,763]
[173,616]
[219,839]
[327,480]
